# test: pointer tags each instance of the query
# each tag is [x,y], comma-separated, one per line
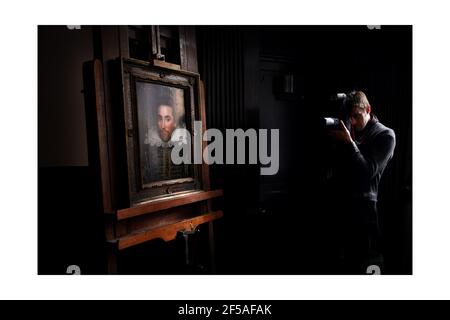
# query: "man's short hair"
[170,97]
[357,99]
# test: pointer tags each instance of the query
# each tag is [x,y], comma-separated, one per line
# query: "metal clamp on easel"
[157,57]
[188,239]
[156,44]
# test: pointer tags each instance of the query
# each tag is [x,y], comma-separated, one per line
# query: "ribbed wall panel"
[222,72]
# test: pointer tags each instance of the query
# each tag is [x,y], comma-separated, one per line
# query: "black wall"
[62,125]
[285,228]
[68,229]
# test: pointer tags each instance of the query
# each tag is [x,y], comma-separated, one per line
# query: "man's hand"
[342,134]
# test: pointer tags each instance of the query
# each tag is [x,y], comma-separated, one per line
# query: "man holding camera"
[364,152]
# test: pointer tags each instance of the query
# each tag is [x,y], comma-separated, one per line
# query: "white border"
[18,248]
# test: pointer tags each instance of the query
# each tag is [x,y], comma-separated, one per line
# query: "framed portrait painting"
[160,107]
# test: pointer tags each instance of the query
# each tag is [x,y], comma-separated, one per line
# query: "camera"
[331,123]
[336,109]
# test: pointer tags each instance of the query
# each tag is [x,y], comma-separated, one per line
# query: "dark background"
[272,224]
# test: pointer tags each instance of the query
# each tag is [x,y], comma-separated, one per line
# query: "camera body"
[335,111]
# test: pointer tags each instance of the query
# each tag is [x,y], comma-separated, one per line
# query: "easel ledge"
[167,232]
[163,204]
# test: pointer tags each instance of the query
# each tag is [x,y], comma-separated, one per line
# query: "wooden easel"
[161,218]
[160,228]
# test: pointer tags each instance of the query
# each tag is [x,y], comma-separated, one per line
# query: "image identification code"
[231,309]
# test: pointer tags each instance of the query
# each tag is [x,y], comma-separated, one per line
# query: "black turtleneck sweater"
[367,158]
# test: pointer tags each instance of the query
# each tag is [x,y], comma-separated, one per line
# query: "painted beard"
[164,135]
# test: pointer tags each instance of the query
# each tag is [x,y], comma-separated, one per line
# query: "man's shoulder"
[380,129]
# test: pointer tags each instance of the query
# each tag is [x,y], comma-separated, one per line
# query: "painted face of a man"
[166,122]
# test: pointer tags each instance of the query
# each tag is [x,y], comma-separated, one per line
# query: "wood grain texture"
[167,232]
[205,167]
[102,137]
[167,203]
[164,64]
[124,45]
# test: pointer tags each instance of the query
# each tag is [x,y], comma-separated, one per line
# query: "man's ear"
[369,109]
